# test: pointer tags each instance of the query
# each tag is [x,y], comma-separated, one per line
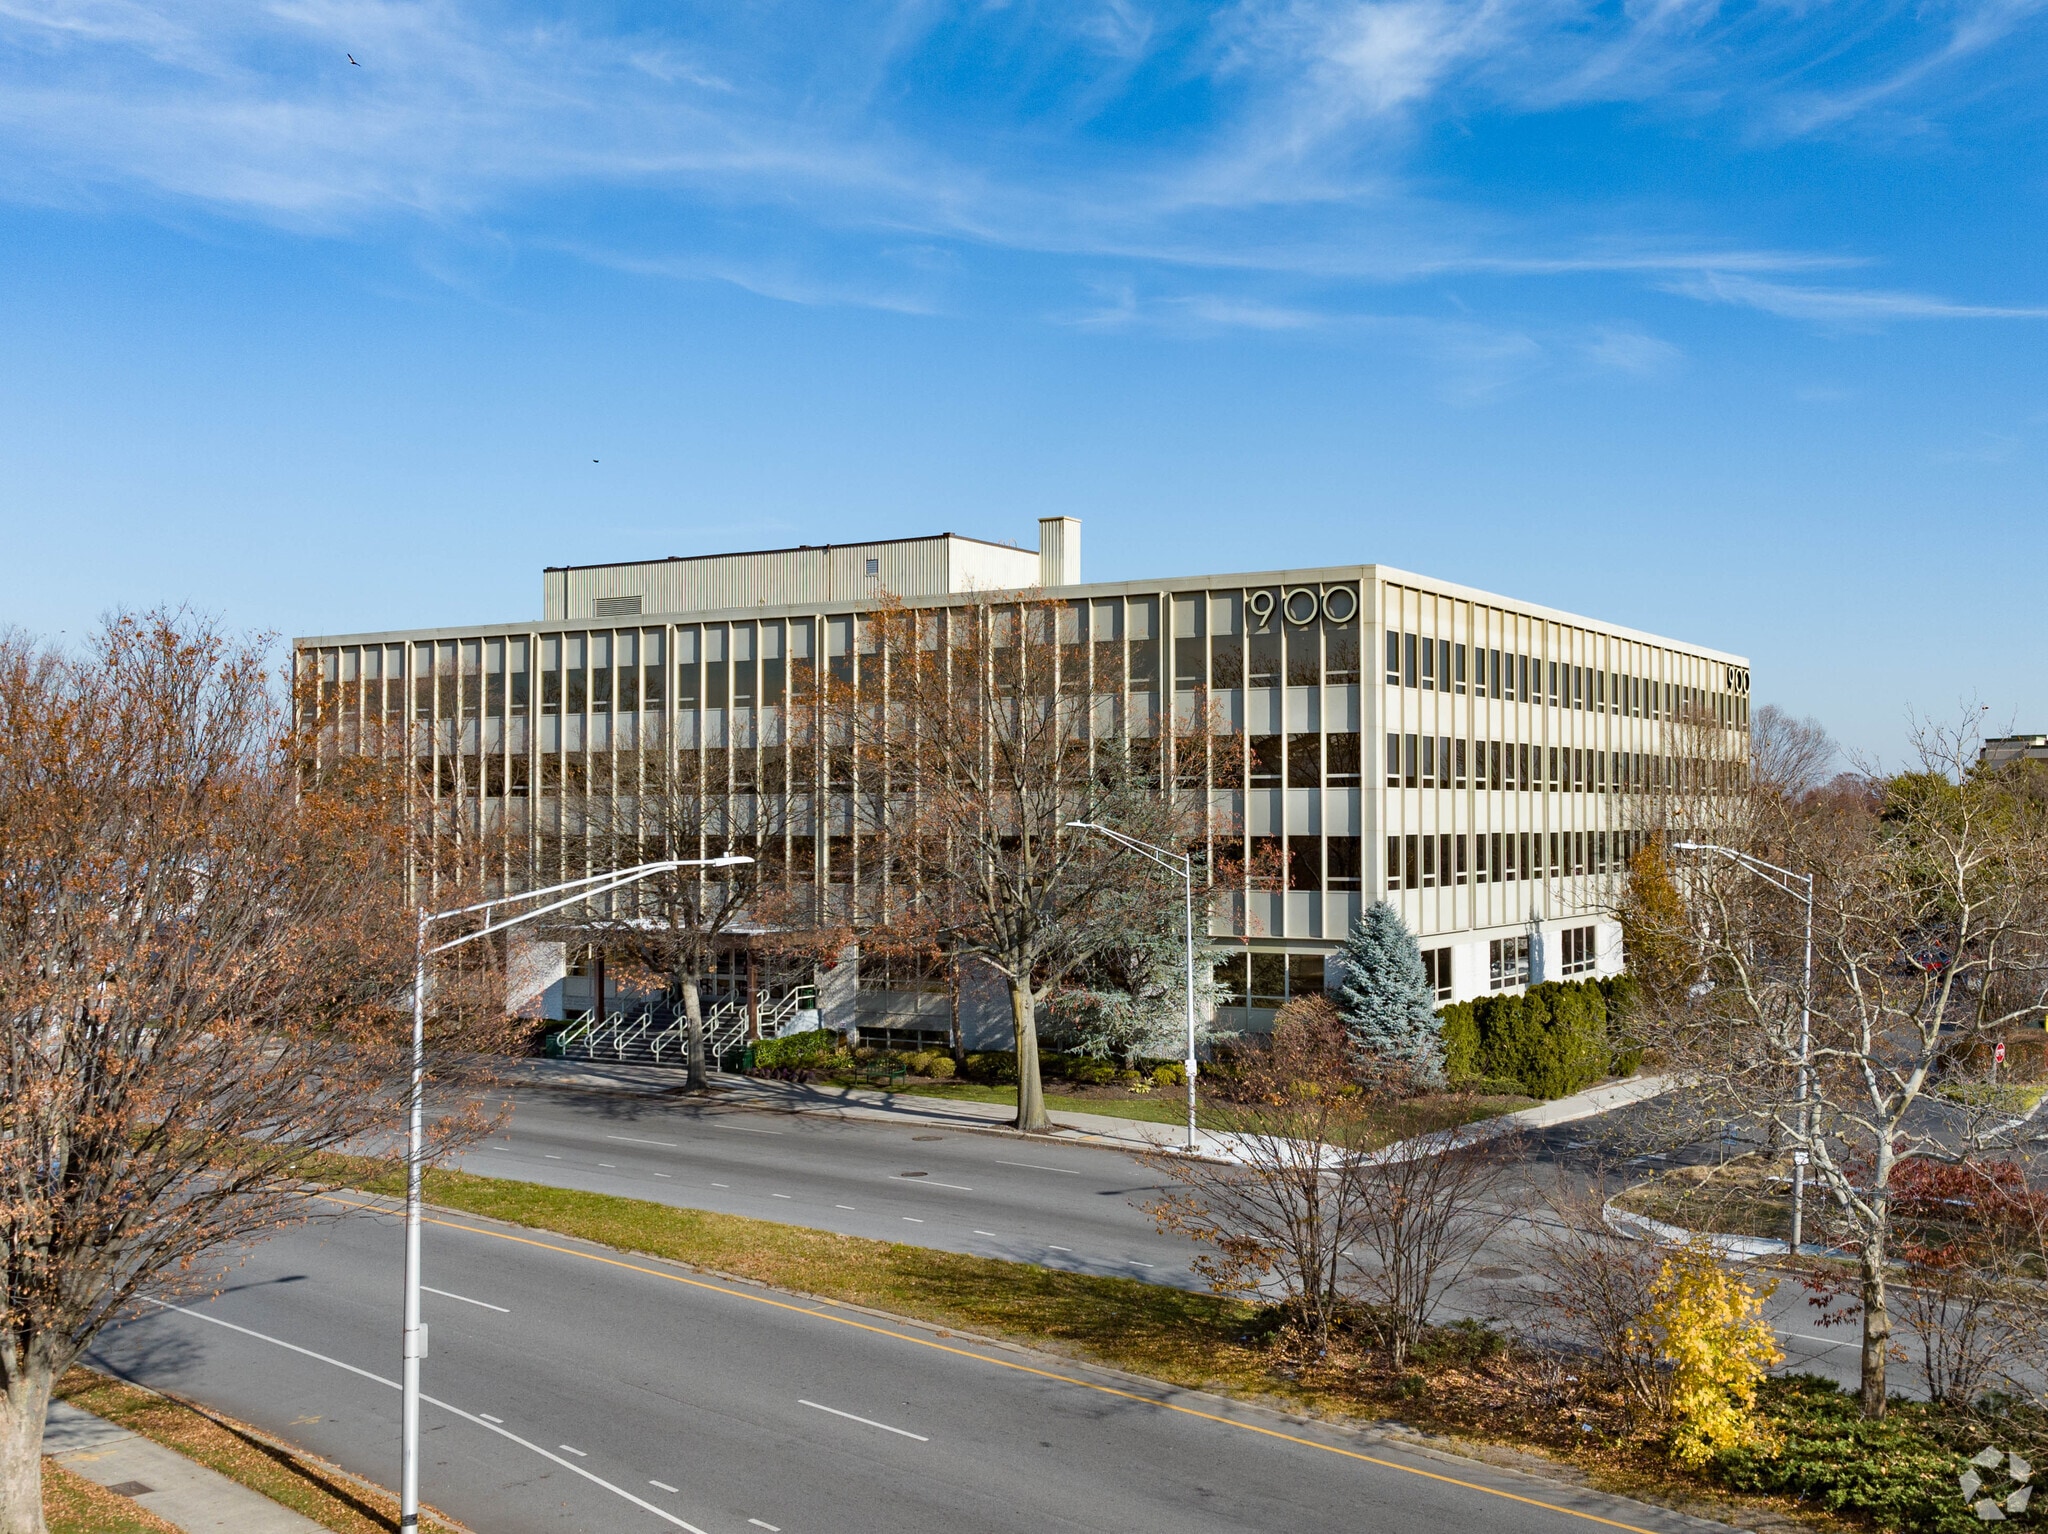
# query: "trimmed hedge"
[1553,1040]
[810,1048]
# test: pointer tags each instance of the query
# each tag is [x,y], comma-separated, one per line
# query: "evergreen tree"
[1384,995]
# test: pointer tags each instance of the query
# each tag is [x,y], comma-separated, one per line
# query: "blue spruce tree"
[1384,995]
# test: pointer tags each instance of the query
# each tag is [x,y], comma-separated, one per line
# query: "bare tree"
[204,948]
[1597,1287]
[1424,1211]
[970,739]
[1286,1211]
[1931,942]
[1789,758]
[672,925]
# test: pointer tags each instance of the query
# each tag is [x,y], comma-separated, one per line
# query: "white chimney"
[1059,551]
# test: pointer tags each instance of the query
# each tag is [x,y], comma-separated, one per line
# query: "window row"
[1439,665]
[1441,861]
[1439,761]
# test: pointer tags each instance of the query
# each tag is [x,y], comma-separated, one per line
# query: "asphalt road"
[1072,1206]
[570,1389]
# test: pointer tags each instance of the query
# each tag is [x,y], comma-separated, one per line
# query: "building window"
[1304,761]
[1393,862]
[1304,862]
[1429,665]
[1429,761]
[1304,974]
[1408,660]
[874,567]
[1341,759]
[1265,761]
[1393,761]
[1507,963]
[1576,948]
[1346,856]
[1408,760]
[1393,659]
[1436,964]
[1458,670]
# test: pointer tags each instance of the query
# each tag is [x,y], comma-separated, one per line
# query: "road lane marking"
[489,1418]
[847,1207]
[780,1195]
[635,1140]
[771,1528]
[988,1233]
[550,1156]
[745,1129]
[1057,1248]
[579,1453]
[980,1358]
[868,1421]
[448,1295]
[1064,1171]
[505,1148]
[664,1485]
[1137,1264]
[721,1185]
[911,1219]
[489,1425]
[661,1174]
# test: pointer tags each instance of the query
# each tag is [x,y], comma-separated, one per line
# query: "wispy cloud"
[800,149]
[1847,306]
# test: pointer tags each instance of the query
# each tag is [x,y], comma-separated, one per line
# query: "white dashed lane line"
[480,1304]
[865,1421]
[663,1485]
[1064,1171]
[635,1140]
[571,1449]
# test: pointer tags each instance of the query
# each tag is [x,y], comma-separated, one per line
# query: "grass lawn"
[74,1505]
[1416,1116]
[303,1484]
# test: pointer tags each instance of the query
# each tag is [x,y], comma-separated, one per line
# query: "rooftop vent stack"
[1059,551]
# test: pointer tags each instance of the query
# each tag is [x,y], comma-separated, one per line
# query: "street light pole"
[413,1339]
[1185,863]
[1784,878]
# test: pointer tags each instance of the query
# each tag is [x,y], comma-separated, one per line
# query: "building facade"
[1483,763]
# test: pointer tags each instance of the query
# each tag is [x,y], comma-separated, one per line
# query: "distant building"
[2014,748]
[1477,760]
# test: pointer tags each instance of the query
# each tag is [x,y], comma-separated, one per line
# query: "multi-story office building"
[1484,763]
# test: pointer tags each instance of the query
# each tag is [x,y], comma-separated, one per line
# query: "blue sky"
[1728,321]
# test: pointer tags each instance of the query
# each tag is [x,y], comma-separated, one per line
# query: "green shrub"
[992,1068]
[1461,1041]
[1090,1073]
[920,1063]
[1551,1040]
[941,1068]
[811,1049]
[1171,1074]
[1893,1471]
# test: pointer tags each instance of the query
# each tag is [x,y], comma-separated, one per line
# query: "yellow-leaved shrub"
[1709,1326]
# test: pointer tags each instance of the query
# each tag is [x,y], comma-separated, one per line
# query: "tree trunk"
[1030,1091]
[22,1409]
[1877,1327]
[693,1013]
[959,1039]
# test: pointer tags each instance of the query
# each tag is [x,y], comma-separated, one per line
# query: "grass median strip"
[322,1492]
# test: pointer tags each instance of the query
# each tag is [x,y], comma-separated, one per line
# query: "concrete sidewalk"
[1089,1128]
[176,1489]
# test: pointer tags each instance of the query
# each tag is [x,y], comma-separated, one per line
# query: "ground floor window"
[1507,962]
[1436,964]
[1578,950]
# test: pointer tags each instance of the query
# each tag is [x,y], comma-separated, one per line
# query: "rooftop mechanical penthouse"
[1480,761]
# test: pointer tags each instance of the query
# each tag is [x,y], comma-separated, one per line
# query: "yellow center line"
[1004,1363]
